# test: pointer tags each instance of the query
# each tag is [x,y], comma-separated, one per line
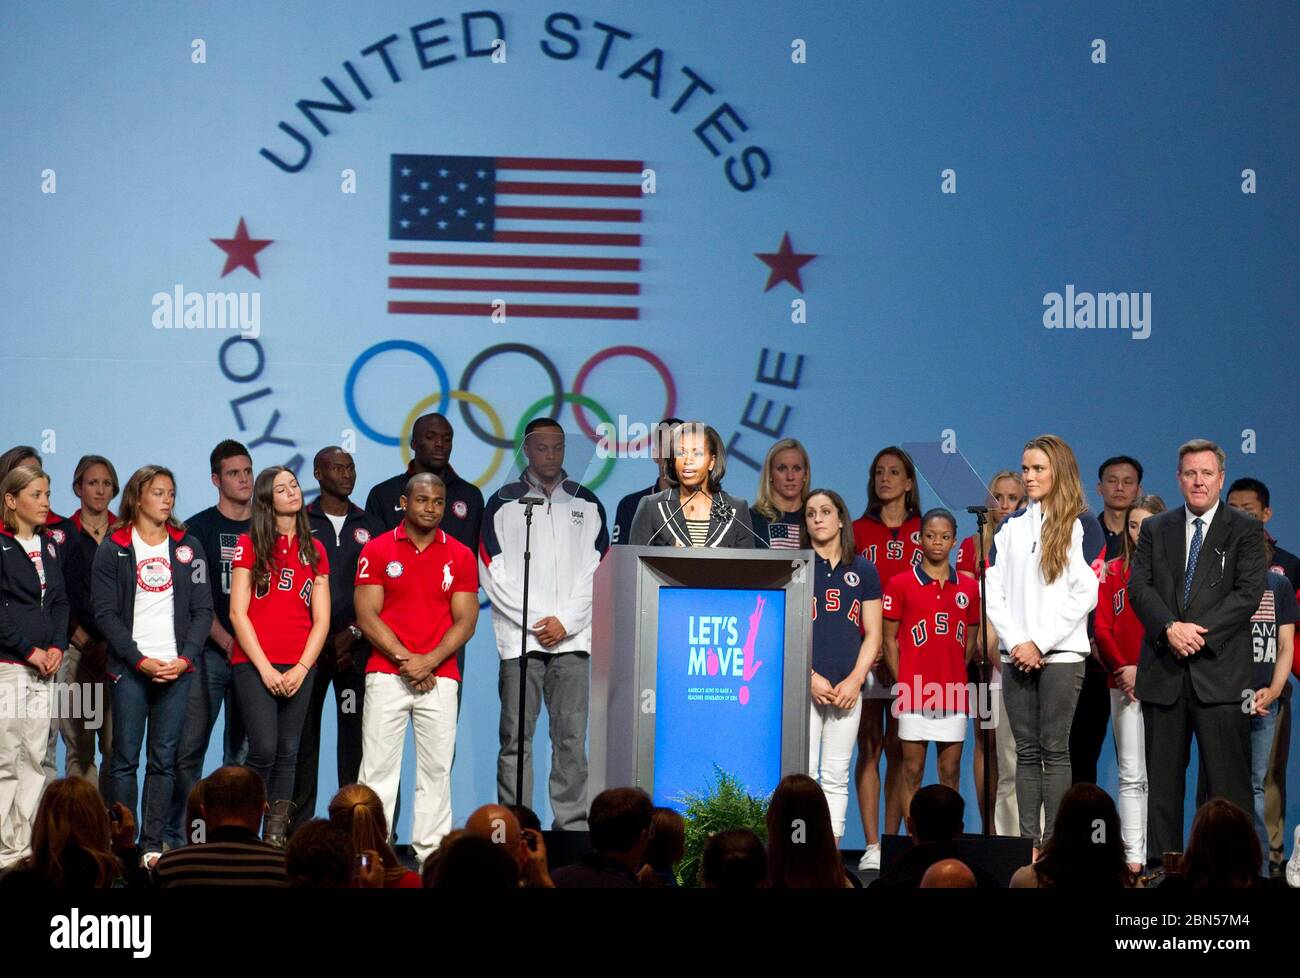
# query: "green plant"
[725,805]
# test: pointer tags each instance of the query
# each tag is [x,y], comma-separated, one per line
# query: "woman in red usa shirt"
[280,607]
[931,630]
[846,641]
[888,534]
[1119,643]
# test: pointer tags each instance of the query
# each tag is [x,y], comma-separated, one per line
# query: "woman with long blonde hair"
[357,810]
[777,513]
[1040,590]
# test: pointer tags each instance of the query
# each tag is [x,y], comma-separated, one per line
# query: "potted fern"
[724,805]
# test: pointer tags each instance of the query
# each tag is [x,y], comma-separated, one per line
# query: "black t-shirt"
[219,535]
[462,519]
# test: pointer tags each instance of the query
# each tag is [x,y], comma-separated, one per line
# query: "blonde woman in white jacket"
[1040,591]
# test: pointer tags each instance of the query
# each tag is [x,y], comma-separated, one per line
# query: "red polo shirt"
[892,549]
[418,585]
[934,618]
[281,615]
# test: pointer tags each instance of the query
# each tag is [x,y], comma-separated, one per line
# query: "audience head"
[733,860]
[319,856]
[526,816]
[233,796]
[357,811]
[667,840]
[801,850]
[471,863]
[948,874]
[70,832]
[194,813]
[431,861]
[619,824]
[1086,849]
[1223,851]
[498,825]
[936,814]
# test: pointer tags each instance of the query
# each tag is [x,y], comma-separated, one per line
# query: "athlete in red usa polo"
[416,602]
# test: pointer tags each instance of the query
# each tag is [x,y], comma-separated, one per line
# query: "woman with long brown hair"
[888,534]
[77,843]
[1040,590]
[357,810]
[280,610]
[154,606]
[1119,643]
[801,849]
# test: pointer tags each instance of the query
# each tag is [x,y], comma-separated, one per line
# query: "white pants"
[1130,756]
[24,731]
[1006,814]
[833,735]
[390,702]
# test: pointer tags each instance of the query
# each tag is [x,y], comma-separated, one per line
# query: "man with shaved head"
[431,437]
[949,874]
[343,528]
[498,825]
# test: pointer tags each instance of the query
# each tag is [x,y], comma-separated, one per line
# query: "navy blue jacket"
[343,549]
[28,619]
[112,591]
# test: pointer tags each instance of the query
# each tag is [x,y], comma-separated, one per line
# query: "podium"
[700,660]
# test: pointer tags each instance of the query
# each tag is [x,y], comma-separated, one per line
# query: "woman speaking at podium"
[693,511]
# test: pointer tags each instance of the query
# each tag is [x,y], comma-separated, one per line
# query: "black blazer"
[659,523]
[28,619]
[1226,590]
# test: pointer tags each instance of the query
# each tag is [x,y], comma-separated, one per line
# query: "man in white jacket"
[569,537]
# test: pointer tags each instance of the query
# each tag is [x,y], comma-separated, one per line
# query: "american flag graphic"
[516,229]
[783,536]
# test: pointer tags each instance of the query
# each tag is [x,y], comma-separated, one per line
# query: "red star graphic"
[241,250]
[785,265]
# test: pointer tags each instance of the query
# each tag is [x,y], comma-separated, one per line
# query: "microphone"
[673,514]
[727,515]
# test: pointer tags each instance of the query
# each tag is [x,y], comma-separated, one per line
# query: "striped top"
[699,531]
[234,856]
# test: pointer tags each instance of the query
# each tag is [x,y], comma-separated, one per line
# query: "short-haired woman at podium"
[693,511]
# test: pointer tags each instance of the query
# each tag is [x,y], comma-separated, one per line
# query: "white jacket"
[569,538]
[1022,607]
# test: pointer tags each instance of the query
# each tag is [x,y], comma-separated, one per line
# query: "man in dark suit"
[1197,577]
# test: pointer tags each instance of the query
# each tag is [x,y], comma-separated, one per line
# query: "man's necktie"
[1192,554]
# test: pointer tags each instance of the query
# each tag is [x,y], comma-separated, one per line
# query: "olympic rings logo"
[496,437]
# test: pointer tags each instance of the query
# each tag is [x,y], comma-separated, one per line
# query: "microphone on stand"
[727,514]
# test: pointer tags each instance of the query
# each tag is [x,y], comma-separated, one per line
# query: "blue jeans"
[211,690]
[140,703]
[1261,746]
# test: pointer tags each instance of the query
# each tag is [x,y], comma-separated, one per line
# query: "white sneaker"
[150,859]
[1293,864]
[870,861]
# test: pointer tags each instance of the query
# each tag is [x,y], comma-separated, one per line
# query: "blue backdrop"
[942,167]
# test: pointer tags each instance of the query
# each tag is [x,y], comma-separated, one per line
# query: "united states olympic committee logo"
[496,438]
